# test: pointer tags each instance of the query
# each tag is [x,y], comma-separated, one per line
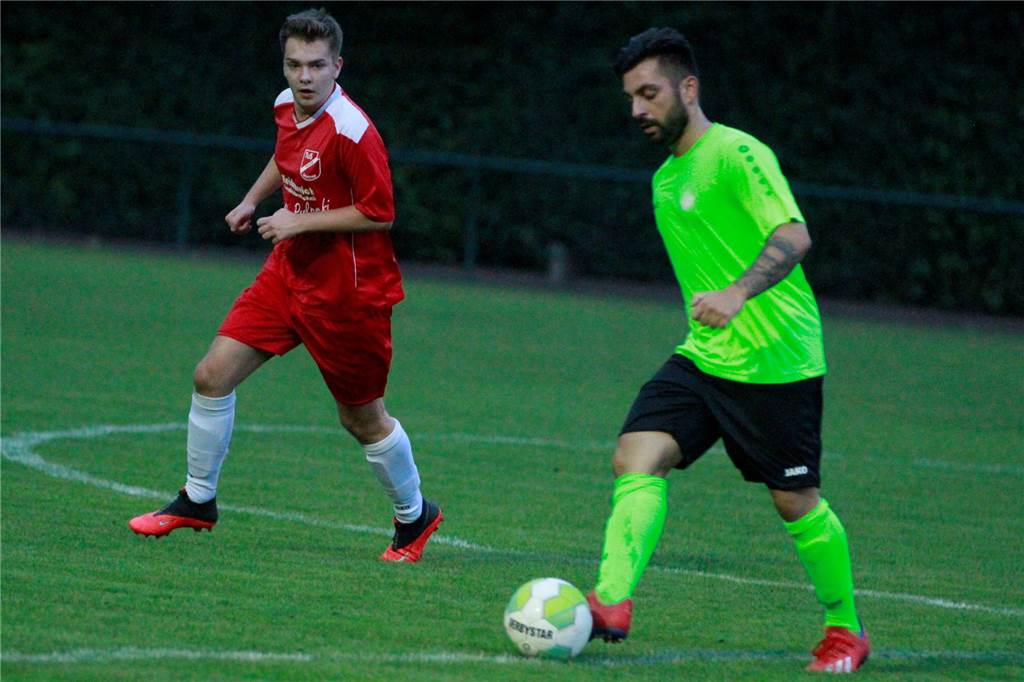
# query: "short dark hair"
[667,44]
[310,25]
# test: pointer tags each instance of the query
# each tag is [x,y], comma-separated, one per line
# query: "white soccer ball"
[548,617]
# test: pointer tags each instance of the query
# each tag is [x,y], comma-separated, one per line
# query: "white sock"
[210,422]
[391,461]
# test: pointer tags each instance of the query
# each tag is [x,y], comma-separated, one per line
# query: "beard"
[667,132]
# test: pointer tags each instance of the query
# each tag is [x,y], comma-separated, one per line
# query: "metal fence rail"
[475,165]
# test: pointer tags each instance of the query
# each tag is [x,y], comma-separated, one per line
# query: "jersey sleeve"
[366,164]
[760,186]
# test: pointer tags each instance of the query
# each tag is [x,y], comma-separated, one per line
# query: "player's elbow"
[799,239]
[381,221]
[804,245]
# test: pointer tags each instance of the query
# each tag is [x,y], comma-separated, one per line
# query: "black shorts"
[772,432]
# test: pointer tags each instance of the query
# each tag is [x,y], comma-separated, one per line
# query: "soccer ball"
[548,617]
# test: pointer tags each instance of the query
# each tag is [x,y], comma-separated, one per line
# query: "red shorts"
[352,348]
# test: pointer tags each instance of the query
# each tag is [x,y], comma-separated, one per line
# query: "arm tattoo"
[775,261]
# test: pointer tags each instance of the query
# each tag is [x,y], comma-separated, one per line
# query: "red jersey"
[333,159]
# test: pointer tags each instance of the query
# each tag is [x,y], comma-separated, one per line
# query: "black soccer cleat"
[180,513]
[410,538]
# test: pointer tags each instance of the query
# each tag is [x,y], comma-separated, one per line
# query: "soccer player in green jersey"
[749,372]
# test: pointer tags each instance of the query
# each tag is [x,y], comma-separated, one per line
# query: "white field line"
[876,594]
[589,446]
[19,448]
[139,654]
[455,657]
[609,447]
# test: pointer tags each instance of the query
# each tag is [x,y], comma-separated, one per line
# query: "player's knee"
[620,462]
[646,453]
[794,504]
[364,433]
[366,429]
[628,460]
[353,426]
[207,380]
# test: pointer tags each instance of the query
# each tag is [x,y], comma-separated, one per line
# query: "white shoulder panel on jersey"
[348,120]
[285,97]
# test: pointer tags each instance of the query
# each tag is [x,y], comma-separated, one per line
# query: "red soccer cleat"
[611,622]
[180,513]
[841,651]
[410,538]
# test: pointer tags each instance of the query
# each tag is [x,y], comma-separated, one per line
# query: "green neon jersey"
[715,207]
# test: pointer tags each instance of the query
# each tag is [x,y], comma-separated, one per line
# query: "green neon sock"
[821,545]
[639,504]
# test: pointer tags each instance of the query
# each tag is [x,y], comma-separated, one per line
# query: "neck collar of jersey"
[319,112]
[700,140]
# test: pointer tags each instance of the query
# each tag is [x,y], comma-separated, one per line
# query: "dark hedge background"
[910,97]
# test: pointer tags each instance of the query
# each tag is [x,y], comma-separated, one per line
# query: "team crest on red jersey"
[309,168]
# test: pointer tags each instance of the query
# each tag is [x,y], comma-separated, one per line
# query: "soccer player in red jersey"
[329,283]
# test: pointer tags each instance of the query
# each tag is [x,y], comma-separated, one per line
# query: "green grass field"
[513,399]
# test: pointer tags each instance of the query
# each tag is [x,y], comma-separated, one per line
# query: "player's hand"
[282,225]
[717,308]
[239,220]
